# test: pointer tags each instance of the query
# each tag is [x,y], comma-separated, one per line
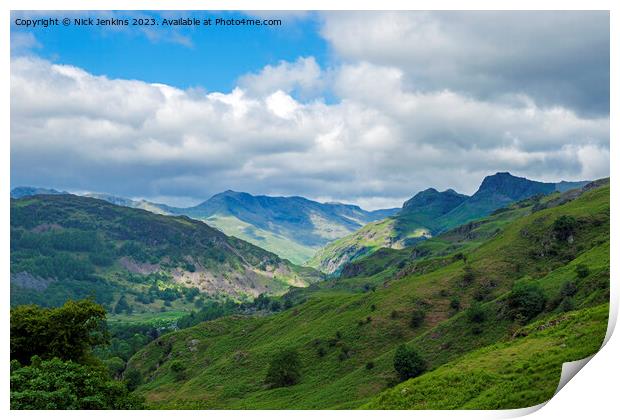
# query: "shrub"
[582,270]
[526,300]
[455,303]
[394,314]
[284,369]
[468,275]
[177,368]
[321,352]
[475,313]
[564,227]
[373,307]
[66,385]
[408,363]
[417,318]
[133,379]
[568,289]
[567,305]
[370,365]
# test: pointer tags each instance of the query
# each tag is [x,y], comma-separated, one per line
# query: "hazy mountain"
[292,227]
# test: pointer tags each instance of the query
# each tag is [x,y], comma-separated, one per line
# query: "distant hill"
[292,227]
[19,192]
[67,246]
[431,212]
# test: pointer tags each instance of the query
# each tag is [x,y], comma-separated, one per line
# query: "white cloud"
[304,76]
[382,142]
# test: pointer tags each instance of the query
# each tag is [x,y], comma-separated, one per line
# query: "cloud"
[381,142]
[23,42]
[304,77]
[557,58]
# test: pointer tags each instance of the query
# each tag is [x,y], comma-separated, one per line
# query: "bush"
[370,365]
[408,363]
[133,379]
[178,370]
[475,313]
[468,275]
[567,305]
[284,369]
[526,300]
[69,332]
[417,318]
[582,271]
[455,303]
[321,352]
[569,289]
[65,385]
[564,227]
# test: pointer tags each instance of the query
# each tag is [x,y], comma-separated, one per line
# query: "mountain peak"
[512,188]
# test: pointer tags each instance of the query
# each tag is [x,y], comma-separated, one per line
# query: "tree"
[133,378]
[564,227]
[65,385]
[475,313]
[417,318]
[284,369]
[408,363]
[69,332]
[582,270]
[526,300]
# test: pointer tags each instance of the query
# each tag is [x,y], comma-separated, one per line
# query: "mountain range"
[292,227]
[431,212]
[326,236]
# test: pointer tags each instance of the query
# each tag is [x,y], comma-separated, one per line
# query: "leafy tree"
[582,271]
[475,313]
[569,289]
[133,378]
[65,385]
[468,275]
[564,227]
[69,332]
[177,368]
[408,363]
[284,369]
[115,366]
[526,300]
[122,306]
[455,303]
[417,318]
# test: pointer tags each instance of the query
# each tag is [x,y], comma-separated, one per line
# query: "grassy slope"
[513,374]
[226,367]
[295,252]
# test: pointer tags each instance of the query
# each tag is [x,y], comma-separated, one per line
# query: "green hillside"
[430,213]
[69,247]
[521,283]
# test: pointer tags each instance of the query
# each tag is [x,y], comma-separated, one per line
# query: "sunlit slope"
[340,326]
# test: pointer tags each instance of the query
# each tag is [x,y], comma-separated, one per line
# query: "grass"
[517,373]
[341,326]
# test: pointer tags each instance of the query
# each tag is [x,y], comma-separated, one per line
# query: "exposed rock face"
[28,281]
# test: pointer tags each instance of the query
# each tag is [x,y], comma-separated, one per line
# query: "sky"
[358,107]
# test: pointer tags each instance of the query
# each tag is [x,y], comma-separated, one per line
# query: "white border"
[592,394]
